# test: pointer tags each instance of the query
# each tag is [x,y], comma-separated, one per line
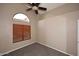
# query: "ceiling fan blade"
[36,11]
[37,4]
[33,4]
[29,9]
[42,8]
[29,4]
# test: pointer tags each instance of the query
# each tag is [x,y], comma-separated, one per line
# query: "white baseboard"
[15,49]
[56,49]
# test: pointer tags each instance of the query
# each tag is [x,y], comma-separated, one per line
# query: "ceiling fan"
[36,7]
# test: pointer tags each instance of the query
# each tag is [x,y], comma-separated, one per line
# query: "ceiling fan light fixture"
[35,8]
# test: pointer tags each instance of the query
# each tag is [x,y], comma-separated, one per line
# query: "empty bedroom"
[39,29]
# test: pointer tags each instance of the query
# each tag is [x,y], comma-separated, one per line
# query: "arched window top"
[21,17]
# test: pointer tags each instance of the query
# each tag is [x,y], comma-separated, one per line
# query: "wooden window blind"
[21,32]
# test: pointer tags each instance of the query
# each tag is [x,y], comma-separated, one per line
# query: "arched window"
[21,17]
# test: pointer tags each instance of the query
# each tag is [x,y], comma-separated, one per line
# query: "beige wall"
[72,32]
[58,28]
[53,32]
[7,11]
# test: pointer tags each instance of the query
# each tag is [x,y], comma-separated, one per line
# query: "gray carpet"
[35,50]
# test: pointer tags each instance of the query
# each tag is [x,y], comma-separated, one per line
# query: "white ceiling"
[49,6]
